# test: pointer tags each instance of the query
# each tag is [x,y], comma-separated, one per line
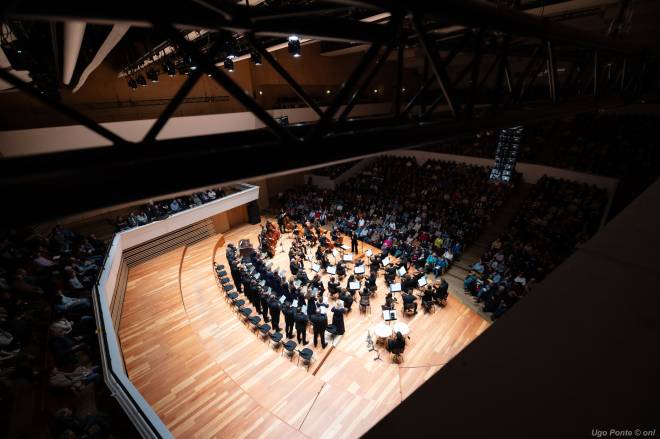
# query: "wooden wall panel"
[237,216]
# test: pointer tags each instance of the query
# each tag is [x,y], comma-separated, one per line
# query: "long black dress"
[338,319]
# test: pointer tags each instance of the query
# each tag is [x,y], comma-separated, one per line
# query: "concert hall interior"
[329,219]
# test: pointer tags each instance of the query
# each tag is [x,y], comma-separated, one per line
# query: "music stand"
[395,287]
[389,315]
[332,269]
[354,285]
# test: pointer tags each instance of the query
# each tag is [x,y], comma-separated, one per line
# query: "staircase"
[459,269]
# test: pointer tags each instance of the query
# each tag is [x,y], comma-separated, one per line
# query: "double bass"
[271,235]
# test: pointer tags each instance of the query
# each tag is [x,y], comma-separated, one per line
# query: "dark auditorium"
[330,219]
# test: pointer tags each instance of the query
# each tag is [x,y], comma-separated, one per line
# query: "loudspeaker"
[254,216]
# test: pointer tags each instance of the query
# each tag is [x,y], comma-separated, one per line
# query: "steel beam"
[283,73]
[438,66]
[120,175]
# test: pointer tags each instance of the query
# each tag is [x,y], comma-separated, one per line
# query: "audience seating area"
[49,356]
[334,171]
[426,213]
[609,144]
[555,217]
[159,210]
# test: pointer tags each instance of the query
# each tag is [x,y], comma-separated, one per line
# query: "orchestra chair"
[232,296]
[408,308]
[365,304]
[276,339]
[397,355]
[289,348]
[332,330]
[306,355]
[245,312]
[254,321]
[264,331]
[224,280]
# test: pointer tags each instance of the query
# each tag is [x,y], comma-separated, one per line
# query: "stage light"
[132,84]
[152,75]
[141,81]
[168,67]
[189,62]
[255,58]
[375,91]
[294,46]
[231,49]
[229,64]
[261,92]
[327,92]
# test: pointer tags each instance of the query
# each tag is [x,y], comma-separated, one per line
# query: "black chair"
[365,303]
[407,307]
[428,305]
[222,273]
[245,312]
[397,355]
[306,355]
[276,339]
[289,348]
[238,303]
[219,267]
[224,280]
[264,330]
[332,330]
[227,287]
[232,296]
[254,321]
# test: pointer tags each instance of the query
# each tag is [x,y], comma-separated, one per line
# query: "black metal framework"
[516,48]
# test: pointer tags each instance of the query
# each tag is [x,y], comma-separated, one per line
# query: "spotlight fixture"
[229,64]
[294,46]
[141,81]
[231,49]
[375,91]
[189,61]
[255,58]
[132,84]
[168,67]
[327,91]
[152,75]
[261,93]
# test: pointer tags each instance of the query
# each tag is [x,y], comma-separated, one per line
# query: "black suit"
[289,319]
[301,327]
[263,300]
[319,323]
[274,308]
[354,242]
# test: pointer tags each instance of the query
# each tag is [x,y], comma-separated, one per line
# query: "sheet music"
[282,299]
[324,310]
[359,269]
[304,309]
[331,269]
[262,283]
[335,252]
[348,257]
[369,252]
[297,283]
[354,285]
[385,261]
[325,299]
[401,271]
[395,287]
[316,268]
[345,247]
[257,275]
[294,303]
[422,281]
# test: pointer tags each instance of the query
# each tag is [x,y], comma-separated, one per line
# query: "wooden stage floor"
[206,374]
